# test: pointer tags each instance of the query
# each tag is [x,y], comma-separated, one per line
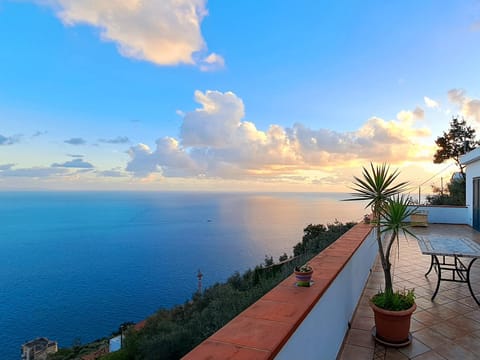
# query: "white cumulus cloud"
[165,32]
[142,163]
[169,158]
[430,102]
[217,142]
[216,123]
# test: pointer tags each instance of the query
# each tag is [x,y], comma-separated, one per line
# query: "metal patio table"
[451,250]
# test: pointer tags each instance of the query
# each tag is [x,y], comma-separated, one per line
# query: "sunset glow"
[190,95]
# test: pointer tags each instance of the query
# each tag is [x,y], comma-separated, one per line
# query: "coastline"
[104,255]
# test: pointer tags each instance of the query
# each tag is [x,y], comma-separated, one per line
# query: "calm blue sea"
[74,265]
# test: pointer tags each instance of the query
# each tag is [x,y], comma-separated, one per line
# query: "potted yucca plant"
[390,212]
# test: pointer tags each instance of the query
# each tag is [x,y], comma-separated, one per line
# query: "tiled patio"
[447,328]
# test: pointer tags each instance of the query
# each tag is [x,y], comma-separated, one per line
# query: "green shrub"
[396,301]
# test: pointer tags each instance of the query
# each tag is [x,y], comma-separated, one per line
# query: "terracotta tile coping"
[261,330]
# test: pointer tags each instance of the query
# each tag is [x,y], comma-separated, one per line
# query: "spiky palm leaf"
[396,212]
[377,186]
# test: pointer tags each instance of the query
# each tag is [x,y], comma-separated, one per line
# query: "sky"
[231,95]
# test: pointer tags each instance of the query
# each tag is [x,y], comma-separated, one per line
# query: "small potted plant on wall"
[390,210]
[303,274]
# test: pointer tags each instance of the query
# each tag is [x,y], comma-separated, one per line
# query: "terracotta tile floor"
[446,328]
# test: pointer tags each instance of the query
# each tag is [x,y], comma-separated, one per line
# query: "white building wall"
[439,214]
[115,343]
[321,334]
[473,171]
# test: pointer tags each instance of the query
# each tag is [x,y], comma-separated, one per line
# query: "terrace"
[446,328]
[332,318]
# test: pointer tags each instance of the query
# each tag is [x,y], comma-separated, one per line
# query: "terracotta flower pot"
[303,278]
[392,327]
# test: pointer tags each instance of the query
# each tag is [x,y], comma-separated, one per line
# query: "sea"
[75,265]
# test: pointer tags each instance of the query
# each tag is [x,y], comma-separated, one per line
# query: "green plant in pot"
[390,210]
[303,275]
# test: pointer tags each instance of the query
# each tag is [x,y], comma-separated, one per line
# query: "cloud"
[470,108]
[456,96]
[216,142]
[75,141]
[35,172]
[75,155]
[6,167]
[418,113]
[41,172]
[430,102]
[75,163]
[38,133]
[111,173]
[142,161]
[393,141]
[117,140]
[212,62]
[9,140]
[216,123]
[169,158]
[165,32]
[377,139]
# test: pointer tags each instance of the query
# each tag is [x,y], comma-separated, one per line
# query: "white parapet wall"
[441,214]
[321,334]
